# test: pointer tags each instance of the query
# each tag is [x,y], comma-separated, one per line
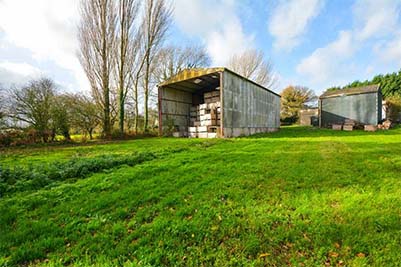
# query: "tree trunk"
[136,105]
[106,88]
[106,119]
[122,115]
[146,115]
[121,100]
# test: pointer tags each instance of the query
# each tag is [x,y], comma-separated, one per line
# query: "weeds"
[19,179]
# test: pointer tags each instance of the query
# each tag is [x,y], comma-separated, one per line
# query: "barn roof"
[189,74]
[352,91]
[207,75]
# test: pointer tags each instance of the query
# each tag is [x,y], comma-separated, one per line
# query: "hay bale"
[370,128]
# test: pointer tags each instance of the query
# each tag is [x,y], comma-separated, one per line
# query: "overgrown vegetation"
[302,196]
[17,179]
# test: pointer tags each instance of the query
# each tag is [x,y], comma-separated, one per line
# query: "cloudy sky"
[314,43]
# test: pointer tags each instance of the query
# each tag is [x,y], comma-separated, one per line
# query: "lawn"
[300,197]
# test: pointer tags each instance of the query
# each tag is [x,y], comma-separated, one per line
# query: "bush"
[19,137]
[393,104]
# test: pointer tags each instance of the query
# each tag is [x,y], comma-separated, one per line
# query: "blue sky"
[313,43]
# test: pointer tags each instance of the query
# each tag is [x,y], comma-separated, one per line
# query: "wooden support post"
[222,104]
[160,111]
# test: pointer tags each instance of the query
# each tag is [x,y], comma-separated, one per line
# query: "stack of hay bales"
[205,118]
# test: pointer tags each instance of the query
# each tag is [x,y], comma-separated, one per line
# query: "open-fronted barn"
[216,102]
[360,104]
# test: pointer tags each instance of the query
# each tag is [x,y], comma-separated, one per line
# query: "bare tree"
[138,59]
[127,46]
[32,104]
[252,65]
[171,60]
[85,115]
[97,37]
[155,23]
[3,111]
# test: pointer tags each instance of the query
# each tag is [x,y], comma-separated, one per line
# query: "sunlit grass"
[302,196]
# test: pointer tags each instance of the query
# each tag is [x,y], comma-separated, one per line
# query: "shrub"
[393,104]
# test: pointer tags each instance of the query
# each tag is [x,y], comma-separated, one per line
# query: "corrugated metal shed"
[246,107]
[361,104]
[352,91]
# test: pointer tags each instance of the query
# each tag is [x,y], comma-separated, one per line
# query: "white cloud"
[218,25]
[376,18]
[290,20]
[326,62]
[20,68]
[333,64]
[17,73]
[47,28]
[390,52]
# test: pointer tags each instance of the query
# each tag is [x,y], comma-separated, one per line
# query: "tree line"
[123,52]
[390,84]
[122,49]
[38,112]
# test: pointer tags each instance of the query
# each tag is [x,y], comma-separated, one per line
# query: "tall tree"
[127,46]
[138,58]
[293,99]
[155,23]
[172,59]
[32,104]
[97,38]
[252,65]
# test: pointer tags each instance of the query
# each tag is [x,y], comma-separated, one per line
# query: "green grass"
[301,197]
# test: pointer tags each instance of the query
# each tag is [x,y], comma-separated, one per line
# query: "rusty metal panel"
[248,108]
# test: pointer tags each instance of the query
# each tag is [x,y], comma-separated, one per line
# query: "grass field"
[300,197]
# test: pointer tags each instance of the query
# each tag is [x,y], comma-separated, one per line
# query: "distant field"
[301,197]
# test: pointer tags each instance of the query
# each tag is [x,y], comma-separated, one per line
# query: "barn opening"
[215,102]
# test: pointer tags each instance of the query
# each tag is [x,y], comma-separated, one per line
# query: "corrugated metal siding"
[248,108]
[175,107]
[364,108]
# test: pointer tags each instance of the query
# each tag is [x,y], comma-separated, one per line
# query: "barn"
[360,104]
[216,102]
